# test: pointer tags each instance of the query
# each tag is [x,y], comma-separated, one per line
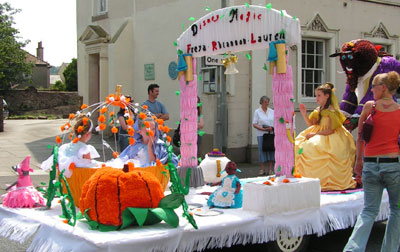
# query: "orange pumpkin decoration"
[109,191]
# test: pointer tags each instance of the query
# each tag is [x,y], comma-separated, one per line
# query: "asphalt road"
[31,137]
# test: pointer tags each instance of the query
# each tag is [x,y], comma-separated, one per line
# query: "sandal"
[261,173]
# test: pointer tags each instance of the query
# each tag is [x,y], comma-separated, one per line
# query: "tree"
[71,76]
[59,86]
[13,66]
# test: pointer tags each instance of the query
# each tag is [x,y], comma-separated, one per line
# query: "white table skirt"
[234,226]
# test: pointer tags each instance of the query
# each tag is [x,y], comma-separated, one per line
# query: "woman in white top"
[263,122]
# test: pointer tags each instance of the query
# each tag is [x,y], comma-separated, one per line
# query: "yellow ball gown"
[329,158]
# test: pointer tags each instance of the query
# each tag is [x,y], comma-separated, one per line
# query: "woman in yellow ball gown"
[326,150]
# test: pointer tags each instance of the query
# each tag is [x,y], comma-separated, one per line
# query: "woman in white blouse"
[263,122]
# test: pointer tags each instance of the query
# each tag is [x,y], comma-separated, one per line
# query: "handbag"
[268,142]
[176,138]
[368,126]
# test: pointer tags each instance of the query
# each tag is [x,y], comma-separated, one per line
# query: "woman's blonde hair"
[391,80]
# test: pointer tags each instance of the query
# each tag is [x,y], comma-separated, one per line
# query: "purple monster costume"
[361,61]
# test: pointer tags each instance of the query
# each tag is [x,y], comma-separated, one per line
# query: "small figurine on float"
[76,153]
[212,166]
[22,193]
[228,195]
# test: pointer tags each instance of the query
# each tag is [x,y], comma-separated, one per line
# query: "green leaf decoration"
[175,43]
[183,26]
[79,216]
[58,194]
[180,52]
[207,8]
[177,93]
[248,56]
[279,168]
[179,156]
[225,55]
[294,17]
[265,67]
[57,183]
[300,151]
[292,170]
[186,119]
[269,6]
[140,214]
[292,100]
[282,14]
[167,215]
[193,157]
[247,5]
[173,201]
[187,82]
[48,146]
[192,19]
[281,120]
[178,122]
[220,17]
[282,31]
[199,104]
[199,159]
[42,183]
[200,132]
[164,173]
[200,77]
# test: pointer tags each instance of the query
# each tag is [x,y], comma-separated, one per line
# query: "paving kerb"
[31,137]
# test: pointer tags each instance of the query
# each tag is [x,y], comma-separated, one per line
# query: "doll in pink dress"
[23,194]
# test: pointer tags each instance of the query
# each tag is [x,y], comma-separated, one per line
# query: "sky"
[51,21]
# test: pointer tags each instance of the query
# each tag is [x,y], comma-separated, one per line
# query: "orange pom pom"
[147,124]
[65,221]
[115,154]
[158,162]
[58,139]
[72,166]
[103,165]
[272,179]
[75,140]
[103,110]
[102,118]
[131,131]
[286,180]
[85,120]
[71,116]
[151,133]
[63,128]
[160,121]
[145,107]
[131,141]
[59,201]
[112,114]
[79,129]
[130,166]
[114,130]
[130,121]
[84,106]
[154,117]
[267,183]
[142,116]
[160,127]
[102,126]
[168,139]
[165,129]
[297,175]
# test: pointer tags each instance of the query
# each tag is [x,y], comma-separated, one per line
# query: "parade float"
[133,205]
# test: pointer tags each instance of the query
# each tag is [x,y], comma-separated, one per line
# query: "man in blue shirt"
[154,106]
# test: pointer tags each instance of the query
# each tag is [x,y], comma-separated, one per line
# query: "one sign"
[149,71]
[215,60]
[239,28]
[172,70]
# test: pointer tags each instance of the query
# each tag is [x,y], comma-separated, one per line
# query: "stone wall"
[32,101]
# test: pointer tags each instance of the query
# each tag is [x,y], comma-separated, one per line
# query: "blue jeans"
[376,177]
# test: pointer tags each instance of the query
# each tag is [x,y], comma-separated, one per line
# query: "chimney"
[39,51]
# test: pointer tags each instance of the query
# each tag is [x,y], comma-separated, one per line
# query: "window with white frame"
[209,76]
[100,7]
[312,66]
